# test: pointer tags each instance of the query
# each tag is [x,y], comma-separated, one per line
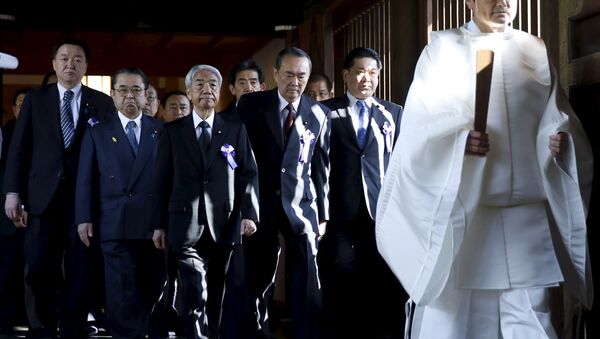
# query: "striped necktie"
[66,119]
[130,128]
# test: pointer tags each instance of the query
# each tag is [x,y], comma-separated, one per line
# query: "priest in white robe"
[477,226]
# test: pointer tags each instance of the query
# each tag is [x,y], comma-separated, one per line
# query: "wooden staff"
[485,64]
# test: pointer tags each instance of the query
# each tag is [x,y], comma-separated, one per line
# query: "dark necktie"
[289,122]
[130,128]
[361,133]
[66,119]
[204,140]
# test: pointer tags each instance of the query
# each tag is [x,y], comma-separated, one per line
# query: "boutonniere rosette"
[387,135]
[93,121]
[306,139]
[229,152]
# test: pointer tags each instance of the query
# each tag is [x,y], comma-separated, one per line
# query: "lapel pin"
[114,139]
[219,132]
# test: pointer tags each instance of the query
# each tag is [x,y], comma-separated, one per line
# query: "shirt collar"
[76,90]
[198,120]
[353,100]
[472,27]
[283,103]
[124,119]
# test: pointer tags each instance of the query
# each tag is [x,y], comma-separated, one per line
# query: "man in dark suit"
[11,240]
[245,77]
[208,198]
[363,133]
[40,175]
[114,195]
[290,138]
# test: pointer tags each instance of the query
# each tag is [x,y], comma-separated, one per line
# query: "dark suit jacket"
[356,172]
[302,188]
[230,112]
[114,188]
[192,194]
[37,160]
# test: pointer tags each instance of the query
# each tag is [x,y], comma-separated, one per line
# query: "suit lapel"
[119,145]
[306,119]
[54,114]
[379,116]
[188,133]
[272,115]
[219,129]
[148,139]
[84,110]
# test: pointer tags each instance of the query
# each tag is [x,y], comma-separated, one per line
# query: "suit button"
[283,170]
[277,192]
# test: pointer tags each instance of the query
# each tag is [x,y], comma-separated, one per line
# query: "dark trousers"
[134,275]
[303,292]
[362,297]
[201,280]
[237,319]
[12,306]
[164,317]
[58,267]
[48,248]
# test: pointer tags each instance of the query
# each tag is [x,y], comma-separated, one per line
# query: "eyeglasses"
[136,91]
[151,98]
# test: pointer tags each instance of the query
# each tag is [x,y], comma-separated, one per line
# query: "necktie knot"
[68,95]
[203,124]
[131,124]
[361,104]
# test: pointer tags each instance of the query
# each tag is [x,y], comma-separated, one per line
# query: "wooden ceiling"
[162,40]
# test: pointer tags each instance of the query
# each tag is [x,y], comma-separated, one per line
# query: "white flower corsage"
[306,139]
[229,152]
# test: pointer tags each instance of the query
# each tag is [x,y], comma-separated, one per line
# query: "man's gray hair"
[190,75]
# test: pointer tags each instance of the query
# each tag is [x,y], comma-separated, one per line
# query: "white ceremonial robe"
[515,218]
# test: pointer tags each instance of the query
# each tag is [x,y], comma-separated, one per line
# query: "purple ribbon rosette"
[387,135]
[306,139]
[93,121]
[229,152]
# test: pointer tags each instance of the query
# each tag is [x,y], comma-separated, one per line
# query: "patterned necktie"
[289,122]
[361,133]
[130,128]
[66,119]
[204,137]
